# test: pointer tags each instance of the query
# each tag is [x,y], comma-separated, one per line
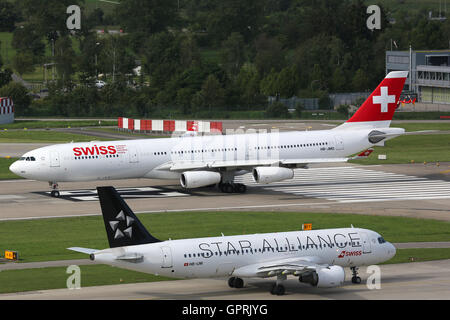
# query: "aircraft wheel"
[55,194]
[277,289]
[238,283]
[356,280]
[240,188]
[226,188]
[231,282]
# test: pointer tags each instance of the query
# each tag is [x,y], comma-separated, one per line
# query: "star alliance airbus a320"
[201,161]
[316,257]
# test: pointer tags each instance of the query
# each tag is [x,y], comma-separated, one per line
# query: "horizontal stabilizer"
[363,155]
[83,250]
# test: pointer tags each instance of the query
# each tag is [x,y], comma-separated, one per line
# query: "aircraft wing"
[181,166]
[287,266]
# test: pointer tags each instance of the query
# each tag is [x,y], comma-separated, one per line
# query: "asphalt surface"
[25,199]
[412,281]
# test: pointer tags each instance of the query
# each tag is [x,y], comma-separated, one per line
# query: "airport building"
[428,78]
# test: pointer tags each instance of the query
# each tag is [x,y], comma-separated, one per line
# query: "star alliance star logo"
[128,232]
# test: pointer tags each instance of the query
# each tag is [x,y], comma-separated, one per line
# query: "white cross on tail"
[384,99]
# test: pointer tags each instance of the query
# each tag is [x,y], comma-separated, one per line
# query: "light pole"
[96,68]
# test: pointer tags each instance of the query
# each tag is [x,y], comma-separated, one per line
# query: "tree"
[248,84]
[23,63]
[298,110]
[288,82]
[147,17]
[269,84]
[27,39]
[343,109]
[228,16]
[212,93]
[5,75]
[19,94]
[64,59]
[232,54]
[360,81]
[277,110]
[8,16]
[338,80]
[269,54]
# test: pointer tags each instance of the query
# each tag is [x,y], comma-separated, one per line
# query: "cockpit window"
[27,159]
[381,240]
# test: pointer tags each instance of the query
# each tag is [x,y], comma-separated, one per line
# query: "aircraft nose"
[391,251]
[14,167]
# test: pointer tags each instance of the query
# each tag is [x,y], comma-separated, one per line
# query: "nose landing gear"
[55,192]
[355,278]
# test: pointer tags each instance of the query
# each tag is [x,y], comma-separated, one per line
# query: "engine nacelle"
[330,277]
[198,179]
[272,174]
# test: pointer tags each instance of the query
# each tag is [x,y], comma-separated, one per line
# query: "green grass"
[56,278]
[5,174]
[48,239]
[413,148]
[409,127]
[419,255]
[36,124]
[6,50]
[30,136]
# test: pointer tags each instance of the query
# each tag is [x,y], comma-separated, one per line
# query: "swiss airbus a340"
[316,257]
[201,161]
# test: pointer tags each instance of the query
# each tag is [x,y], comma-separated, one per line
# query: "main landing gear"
[235,282]
[277,288]
[55,192]
[228,187]
[355,278]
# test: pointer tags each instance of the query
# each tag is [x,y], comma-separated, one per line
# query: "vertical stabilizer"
[377,111]
[122,226]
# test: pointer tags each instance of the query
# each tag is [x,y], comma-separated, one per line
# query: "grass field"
[413,148]
[5,174]
[47,239]
[56,277]
[30,124]
[30,136]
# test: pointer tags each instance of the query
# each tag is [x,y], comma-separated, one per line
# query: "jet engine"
[332,276]
[272,174]
[198,179]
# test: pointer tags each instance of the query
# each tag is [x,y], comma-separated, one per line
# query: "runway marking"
[126,193]
[351,184]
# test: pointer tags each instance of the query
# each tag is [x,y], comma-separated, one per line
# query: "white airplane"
[201,161]
[317,257]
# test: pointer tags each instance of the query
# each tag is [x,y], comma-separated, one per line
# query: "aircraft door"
[339,143]
[166,257]
[134,156]
[367,248]
[54,159]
